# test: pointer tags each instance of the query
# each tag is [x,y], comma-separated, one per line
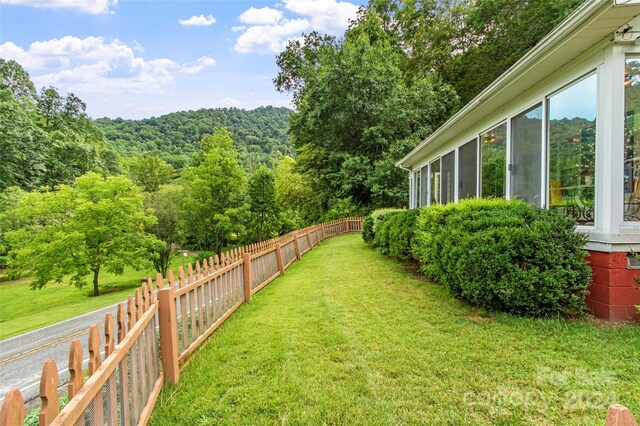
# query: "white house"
[561,130]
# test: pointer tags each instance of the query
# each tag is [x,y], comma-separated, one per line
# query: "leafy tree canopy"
[265,213]
[214,194]
[76,231]
[149,172]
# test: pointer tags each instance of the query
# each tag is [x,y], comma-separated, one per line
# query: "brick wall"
[614,291]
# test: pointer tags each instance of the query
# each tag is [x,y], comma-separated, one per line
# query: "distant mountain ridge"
[260,135]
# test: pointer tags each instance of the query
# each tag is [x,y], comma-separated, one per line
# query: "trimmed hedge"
[501,255]
[395,233]
[371,222]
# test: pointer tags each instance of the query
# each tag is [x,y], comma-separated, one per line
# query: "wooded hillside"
[259,135]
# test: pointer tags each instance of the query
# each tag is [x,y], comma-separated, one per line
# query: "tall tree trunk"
[96,290]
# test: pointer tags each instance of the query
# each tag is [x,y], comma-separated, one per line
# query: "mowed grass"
[22,309]
[348,336]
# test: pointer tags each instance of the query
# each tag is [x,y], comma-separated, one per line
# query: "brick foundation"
[614,291]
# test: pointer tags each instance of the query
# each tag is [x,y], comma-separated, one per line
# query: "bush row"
[501,255]
[371,222]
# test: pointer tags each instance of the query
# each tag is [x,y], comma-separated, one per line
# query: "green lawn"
[348,336]
[22,309]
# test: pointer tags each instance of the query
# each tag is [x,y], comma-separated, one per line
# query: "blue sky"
[136,59]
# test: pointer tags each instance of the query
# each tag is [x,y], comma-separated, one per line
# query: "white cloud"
[87,6]
[329,16]
[198,21]
[238,28]
[228,103]
[10,50]
[200,64]
[263,36]
[262,16]
[97,65]
[270,38]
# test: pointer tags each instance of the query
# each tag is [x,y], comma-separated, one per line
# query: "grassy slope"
[350,337]
[22,309]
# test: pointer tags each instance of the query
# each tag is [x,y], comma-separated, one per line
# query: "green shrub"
[381,236]
[204,254]
[395,233]
[370,224]
[367,229]
[504,255]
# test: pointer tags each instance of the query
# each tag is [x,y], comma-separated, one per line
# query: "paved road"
[22,357]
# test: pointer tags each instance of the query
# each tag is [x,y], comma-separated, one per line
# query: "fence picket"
[111,394]
[97,415]
[12,412]
[50,405]
[139,353]
[120,320]
[619,415]
[183,308]
[76,378]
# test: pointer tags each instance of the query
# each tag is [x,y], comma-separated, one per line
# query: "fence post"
[169,334]
[619,415]
[309,240]
[296,245]
[246,263]
[279,258]
[12,412]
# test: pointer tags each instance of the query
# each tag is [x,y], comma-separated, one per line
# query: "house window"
[526,156]
[632,140]
[468,170]
[434,168]
[493,146]
[447,182]
[572,150]
[424,186]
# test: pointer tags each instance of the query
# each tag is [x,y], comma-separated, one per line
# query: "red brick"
[623,313]
[608,260]
[627,296]
[623,277]
[601,275]
[599,293]
[599,309]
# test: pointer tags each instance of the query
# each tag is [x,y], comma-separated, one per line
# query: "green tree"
[150,172]
[265,220]
[78,230]
[46,140]
[357,114]
[214,193]
[299,205]
[165,206]
[23,145]
[17,80]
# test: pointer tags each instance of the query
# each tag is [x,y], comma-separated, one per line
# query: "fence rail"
[122,389]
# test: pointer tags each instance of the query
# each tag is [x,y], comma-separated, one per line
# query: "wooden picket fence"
[122,389]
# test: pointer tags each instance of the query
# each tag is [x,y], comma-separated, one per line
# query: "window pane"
[424,185]
[494,161]
[448,177]
[468,170]
[526,156]
[632,140]
[572,150]
[416,188]
[435,181]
